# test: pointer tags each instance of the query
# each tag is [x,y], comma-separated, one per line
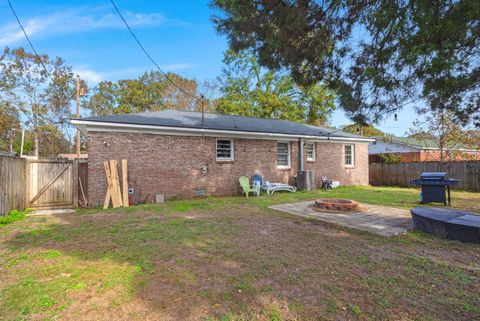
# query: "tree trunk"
[36,150]
[10,134]
[37,145]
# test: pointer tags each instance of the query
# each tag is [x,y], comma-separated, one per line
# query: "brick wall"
[429,155]
[330,162]
[171,165]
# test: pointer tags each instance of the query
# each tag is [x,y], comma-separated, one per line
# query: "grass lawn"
[234,259]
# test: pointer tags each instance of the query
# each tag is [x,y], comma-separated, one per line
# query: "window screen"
[224,149]
[310,148]
[283,154]
[349,155]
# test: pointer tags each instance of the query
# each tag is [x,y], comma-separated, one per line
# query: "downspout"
[300,155]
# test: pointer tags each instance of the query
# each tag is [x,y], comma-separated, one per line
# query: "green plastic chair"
[247,188]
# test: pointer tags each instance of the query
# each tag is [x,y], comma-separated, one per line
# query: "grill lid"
[434,176]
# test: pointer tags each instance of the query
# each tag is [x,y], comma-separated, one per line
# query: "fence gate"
[52,183]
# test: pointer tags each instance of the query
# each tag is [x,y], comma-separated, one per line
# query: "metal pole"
[78,115]
[203,110]
[300,155]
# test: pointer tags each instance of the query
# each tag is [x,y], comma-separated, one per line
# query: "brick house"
[414,150]
[170,152]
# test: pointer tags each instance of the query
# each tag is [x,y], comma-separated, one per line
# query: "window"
[224,149]
[349,155]
[283,155]
[310,148]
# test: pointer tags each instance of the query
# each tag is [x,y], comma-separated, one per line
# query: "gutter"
[85,125]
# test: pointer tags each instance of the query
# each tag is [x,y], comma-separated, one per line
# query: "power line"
[28,39]
[149,56]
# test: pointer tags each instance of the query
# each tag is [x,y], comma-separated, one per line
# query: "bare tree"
[439,130]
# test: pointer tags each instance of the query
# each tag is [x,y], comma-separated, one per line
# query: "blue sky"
[92,39]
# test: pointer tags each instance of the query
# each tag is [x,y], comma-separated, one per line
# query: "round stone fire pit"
[340,205]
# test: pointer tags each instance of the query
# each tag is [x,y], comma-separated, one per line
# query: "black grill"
[434,176]
[434,185]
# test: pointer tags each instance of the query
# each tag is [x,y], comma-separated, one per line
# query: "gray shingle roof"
[188,119]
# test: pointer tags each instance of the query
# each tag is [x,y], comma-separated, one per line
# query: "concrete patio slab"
[380,220]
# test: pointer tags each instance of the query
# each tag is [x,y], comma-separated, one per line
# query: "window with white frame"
[310,148]
[283,155]
[350,155]
[224,149]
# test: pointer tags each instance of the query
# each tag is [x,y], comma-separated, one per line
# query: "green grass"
[43,286]
[46,279]
[354,309]
[13,216]
[385,196]
[232,258]
[401,197]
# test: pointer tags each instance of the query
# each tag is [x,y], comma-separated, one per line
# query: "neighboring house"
[170,152]
[414,150]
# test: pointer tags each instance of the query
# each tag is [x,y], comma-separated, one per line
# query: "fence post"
[75,182]
[12,183]
[27,183]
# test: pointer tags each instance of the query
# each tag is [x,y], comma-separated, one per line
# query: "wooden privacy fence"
[51,183]
[42,183]
[12,183]
[468,172]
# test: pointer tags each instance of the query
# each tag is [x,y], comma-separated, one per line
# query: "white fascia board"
[86,126]
[446,149]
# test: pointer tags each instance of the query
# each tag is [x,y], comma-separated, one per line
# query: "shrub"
[391,158]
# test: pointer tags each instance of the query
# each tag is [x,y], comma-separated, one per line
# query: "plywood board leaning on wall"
[125,182]
[114,191]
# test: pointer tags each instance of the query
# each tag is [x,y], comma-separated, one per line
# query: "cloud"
[12,33]
[90,76]
[75,21]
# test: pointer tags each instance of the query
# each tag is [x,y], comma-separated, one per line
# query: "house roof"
[421,143]
[413,142]
[175,119]
[8,154]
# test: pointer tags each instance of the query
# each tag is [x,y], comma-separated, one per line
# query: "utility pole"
[80,92]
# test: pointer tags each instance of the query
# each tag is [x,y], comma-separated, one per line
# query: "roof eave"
[87,125]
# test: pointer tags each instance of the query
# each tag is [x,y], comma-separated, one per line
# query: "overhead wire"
[141,47]
[155,63]
[129,29]
[29,41]
[149,56]
[62,124]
